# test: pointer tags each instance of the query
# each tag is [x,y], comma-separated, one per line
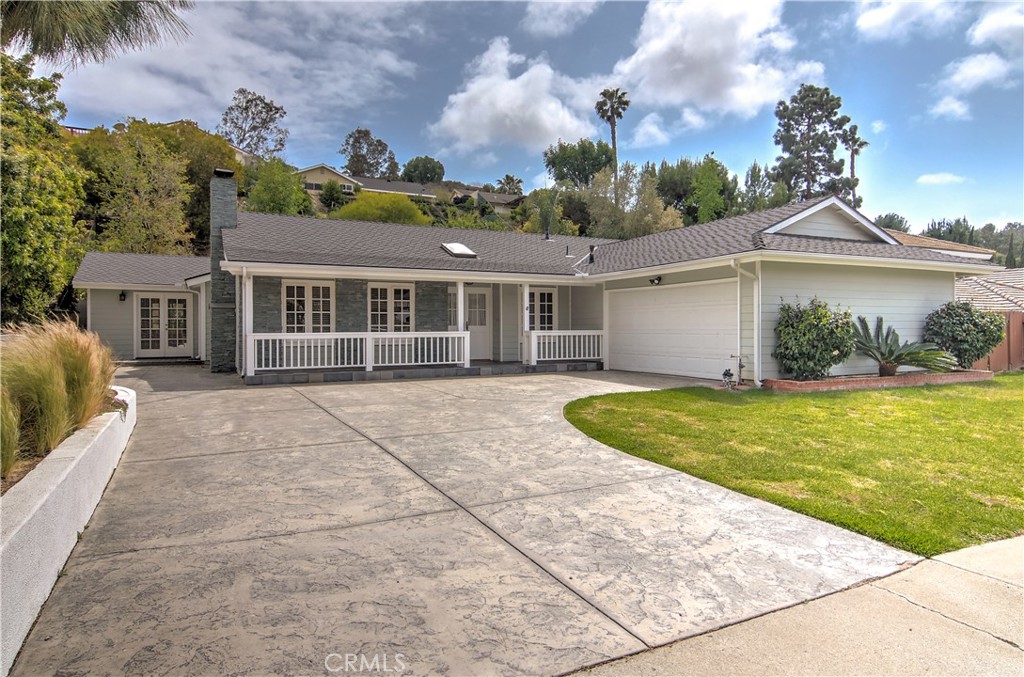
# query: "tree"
[73,33]
[810,129]
[510,185]
[1011,255]
[488,188]
[757,189]
[642,211]
[893,221]
[854,145]
[253,123]
[382,207]
[957,230]
[136,192]
[610,107]
[368,156]
[423,169]
[278,190]
[577,163]
[331,195]
[40,192]
[203,152]
[453,217]
[707,191]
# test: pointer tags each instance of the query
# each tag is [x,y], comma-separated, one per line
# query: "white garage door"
[686,330]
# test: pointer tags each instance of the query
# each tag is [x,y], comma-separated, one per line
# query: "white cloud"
[650,132]
[975,71]
[727,57]
[289,52]
[879,126]
[897,19]
[692,121]
[1002,25]
[547,19]
[495,106]
[952,108]
[940,179]
[541,180]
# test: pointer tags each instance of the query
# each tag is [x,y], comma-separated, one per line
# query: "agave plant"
[883,346]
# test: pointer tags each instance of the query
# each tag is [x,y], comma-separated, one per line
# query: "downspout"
[757,316]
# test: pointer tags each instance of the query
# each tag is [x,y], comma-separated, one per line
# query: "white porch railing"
[565,345]
[355,350]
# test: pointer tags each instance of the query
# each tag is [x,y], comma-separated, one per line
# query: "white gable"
[832,218]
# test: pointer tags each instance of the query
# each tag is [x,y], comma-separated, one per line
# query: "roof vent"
[458,250]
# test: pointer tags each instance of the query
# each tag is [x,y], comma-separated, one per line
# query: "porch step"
[491,369]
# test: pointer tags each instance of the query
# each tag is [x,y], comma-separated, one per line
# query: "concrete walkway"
[431,527]
[958,614]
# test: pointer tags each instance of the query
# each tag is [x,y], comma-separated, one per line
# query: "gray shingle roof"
[271,238]
[998,291]
[138,269]
[741,234]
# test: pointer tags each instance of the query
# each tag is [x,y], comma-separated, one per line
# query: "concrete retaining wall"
[44,513]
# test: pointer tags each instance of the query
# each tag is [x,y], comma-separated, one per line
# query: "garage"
[684,330]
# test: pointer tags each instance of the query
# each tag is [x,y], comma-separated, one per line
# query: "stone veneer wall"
[222,317]
[431,306]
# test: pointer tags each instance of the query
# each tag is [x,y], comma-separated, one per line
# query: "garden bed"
[918,378]
[45,512]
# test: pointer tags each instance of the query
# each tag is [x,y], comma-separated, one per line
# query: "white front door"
[478,322]
[163,325]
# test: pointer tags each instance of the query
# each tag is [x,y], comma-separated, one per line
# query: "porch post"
[460,319]
[249,354]
[526,324]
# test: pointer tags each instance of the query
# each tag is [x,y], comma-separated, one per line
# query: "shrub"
[885,349]
[9,420]
[811,340]
[970,334]
[58,377]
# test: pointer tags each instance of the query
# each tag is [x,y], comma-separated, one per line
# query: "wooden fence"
[1008,355]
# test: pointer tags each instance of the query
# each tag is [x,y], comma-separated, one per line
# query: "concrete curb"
[44,513]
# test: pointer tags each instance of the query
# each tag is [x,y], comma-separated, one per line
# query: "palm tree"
[511,185]
[73,33]
[610,108]
[855,145]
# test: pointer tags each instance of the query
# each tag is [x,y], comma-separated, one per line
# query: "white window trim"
[309,299]
[554,306]
[391,287]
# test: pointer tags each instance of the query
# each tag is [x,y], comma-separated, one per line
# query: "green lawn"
[929,469]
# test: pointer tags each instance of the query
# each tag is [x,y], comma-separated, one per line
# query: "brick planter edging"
[873,382]
[44,514]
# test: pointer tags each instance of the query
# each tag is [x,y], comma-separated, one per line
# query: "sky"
[485,87]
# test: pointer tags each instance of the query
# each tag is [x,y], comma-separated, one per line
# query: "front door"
[163,325]
[478,322]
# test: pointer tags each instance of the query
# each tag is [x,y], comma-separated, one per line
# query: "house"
[954,248]
[317,299]
[314,178]
[502,203]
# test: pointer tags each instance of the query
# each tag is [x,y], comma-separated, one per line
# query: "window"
[314,186]
[542,310]
[453,310]
[391,308]
[308,307]
[348,188]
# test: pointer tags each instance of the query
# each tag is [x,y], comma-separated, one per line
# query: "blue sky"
[935,87]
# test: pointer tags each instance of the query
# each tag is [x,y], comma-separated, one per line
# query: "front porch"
[475,368]
[344,329]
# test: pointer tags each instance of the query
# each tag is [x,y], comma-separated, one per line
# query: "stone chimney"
[222,319]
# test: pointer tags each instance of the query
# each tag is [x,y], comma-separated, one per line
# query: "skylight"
[458,250]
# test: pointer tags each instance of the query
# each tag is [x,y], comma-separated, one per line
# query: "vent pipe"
[591,258]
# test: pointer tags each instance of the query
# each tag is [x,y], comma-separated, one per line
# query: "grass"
[928,469]
[55,379]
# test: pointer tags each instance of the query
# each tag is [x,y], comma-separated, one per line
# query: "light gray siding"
[748,289]
[829,222]
[564,307]
[112,320]
[903,297]
[643,279]
[510,323]
[496,322]
[586,308]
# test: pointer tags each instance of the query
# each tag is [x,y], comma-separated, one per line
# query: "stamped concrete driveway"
[449,526]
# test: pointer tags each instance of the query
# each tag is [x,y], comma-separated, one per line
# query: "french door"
[478,322]
[163,325]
